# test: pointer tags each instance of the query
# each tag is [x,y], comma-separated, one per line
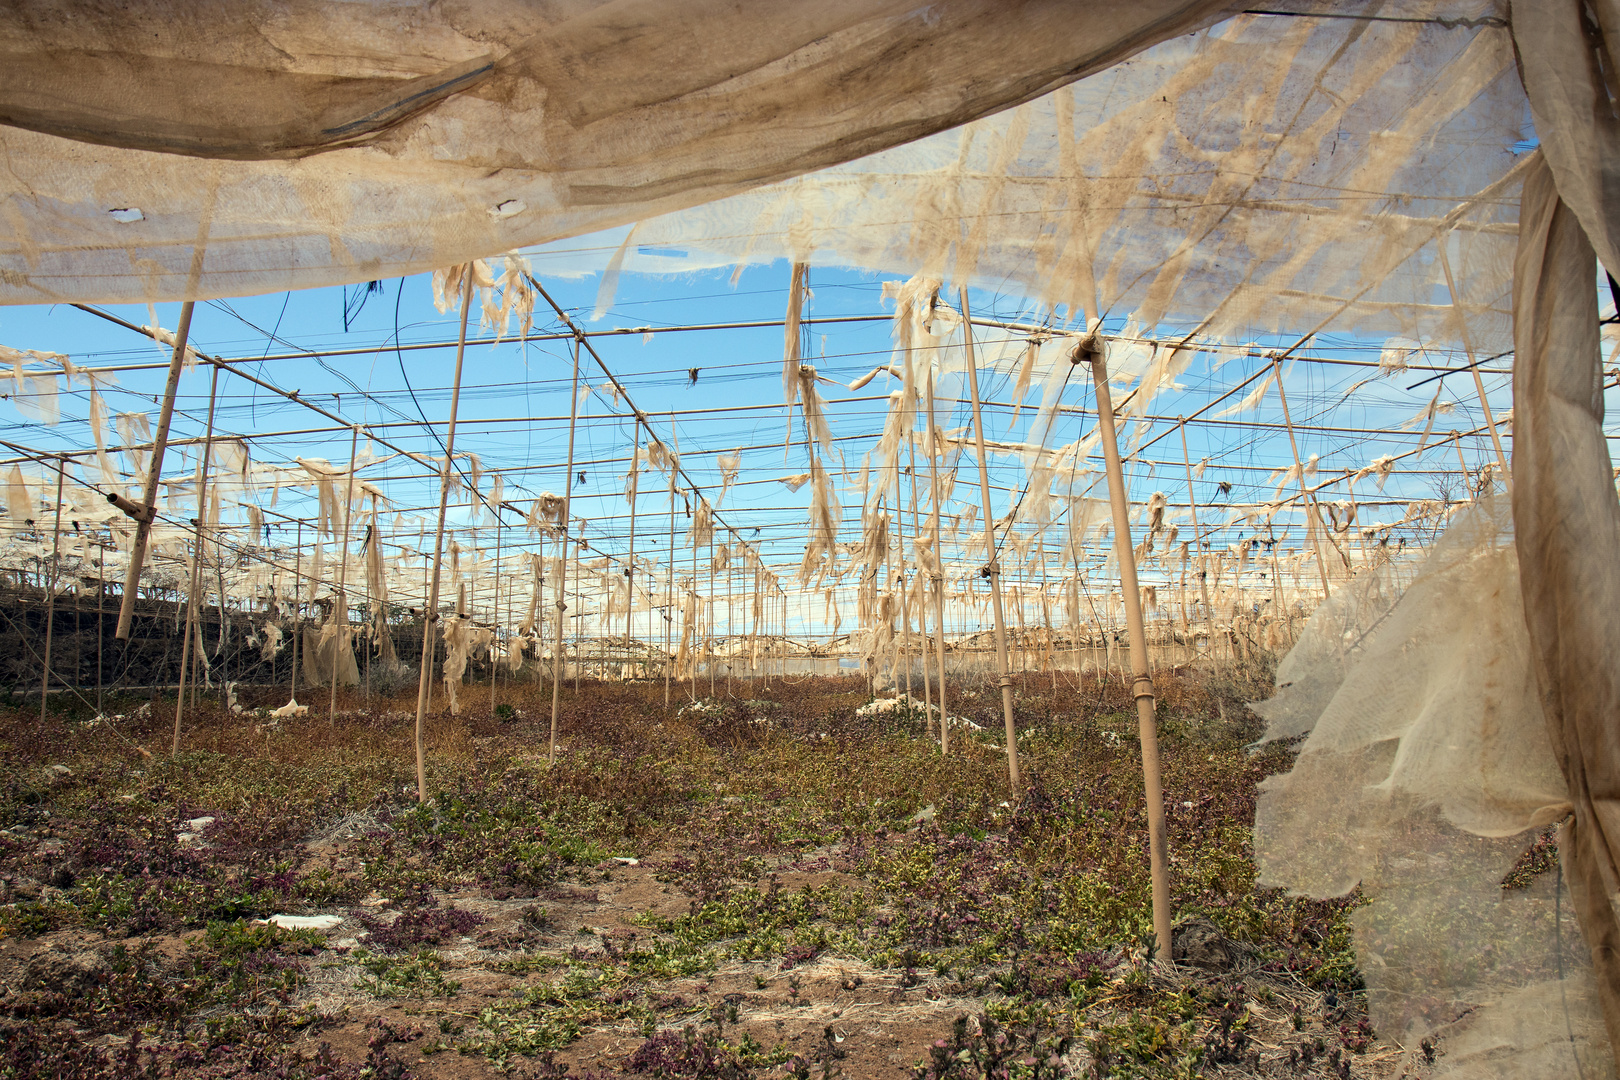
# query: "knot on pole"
[1142,687]
[138,511]
[1005,681]
[990,569]
[1087,350]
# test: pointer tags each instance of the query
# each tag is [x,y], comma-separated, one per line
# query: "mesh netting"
[1265,174]
[1425,762]
[199,150]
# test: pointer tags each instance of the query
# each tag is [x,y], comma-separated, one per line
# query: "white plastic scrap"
[303,922]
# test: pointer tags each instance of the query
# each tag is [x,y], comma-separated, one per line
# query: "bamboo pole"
[938,575]
[1146,722]
[696,608]
[899,566]
[433,650]
[101,615]
[1023,638]
[297,591]
[731,639]
[370,644]
[186,654]
[148,507]
[922,612]
[539,630]
[579,625]
[1203,576]
[50,594]
[992,569]
[713,595]
[224,621]
[432,615]
[669,597]
[341,611]
[1046,607]
[562,563]
[199,649]
[630,562]
[494,652]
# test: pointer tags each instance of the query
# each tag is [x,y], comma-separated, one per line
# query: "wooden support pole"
[340,612]
[712,595]
[1046,606]
[495,618]
[148,507]
[101,616]
[922,608]
[297,591]
[50,593]
[579,626]
[992,569]
[731,639]
[669,597]
[562,561]
[1203,576]
[898,567]
[630,561]
[431,617]
[695,603]
[433,650]
[938,576]
[224,621]
[1146,722]
[196,564]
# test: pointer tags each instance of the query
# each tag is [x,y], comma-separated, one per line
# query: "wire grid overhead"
[1394,456]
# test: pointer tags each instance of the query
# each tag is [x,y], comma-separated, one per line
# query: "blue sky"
[514,401]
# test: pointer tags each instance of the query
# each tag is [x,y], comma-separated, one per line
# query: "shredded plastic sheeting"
[1568,523]
[1424,769]
[323,648]
[1258,175]
[1265,174]
[304,143]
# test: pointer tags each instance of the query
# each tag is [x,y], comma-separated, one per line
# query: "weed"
[982,1049]
[700,1056]
[1040,906]
[427,925]
[420,975]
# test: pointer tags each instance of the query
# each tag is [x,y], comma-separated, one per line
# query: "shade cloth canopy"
[302,143]
[1363,168]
